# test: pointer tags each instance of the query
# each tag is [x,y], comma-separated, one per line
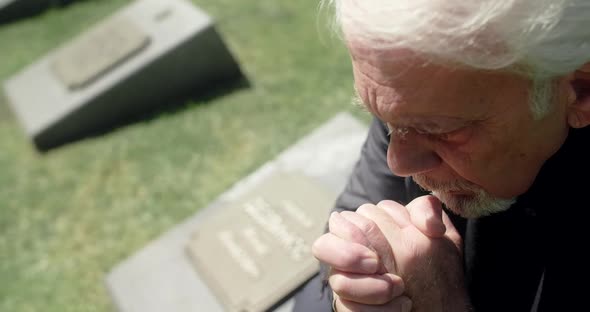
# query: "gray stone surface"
[161,277]
[101,49]
[255,250]
[56,104]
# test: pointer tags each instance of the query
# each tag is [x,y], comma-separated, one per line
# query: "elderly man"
[483,104]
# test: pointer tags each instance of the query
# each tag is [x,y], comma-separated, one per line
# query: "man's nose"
[409,155]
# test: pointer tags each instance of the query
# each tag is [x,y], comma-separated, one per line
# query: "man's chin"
[471,205]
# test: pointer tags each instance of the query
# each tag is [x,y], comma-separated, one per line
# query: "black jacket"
[529,258]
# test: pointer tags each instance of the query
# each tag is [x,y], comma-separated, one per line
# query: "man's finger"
[399,304]
[426,215]
[346,230]
[367,289]
[377,240]
[452,232]
[345,256]
[397,212]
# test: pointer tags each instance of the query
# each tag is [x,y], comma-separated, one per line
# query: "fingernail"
[369,265]
[407,305]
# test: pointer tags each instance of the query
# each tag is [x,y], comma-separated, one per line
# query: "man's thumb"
[427,215]
[452,232]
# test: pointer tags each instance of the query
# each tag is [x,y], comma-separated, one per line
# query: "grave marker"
[174,272]
[257,250]
[143,56]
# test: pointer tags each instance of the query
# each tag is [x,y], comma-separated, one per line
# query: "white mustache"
[451,186]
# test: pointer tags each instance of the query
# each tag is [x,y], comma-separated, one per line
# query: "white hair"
[540,39]
[549,37]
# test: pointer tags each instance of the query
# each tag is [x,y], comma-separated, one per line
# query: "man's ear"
[579,105]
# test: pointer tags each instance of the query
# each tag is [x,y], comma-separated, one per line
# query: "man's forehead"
[435,99]
[428,122]
[402,64]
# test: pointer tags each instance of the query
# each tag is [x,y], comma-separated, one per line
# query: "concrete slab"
[161,277]
[145,55]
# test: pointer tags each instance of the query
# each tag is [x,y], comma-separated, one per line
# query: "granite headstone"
[145,55]
[257,250]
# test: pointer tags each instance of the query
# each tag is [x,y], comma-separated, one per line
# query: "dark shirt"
[529,258]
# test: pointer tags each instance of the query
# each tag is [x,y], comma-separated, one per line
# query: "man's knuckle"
[368,212]
[350,259]
[370,227]
[365,208]
[387,291]
[349,230]
[390,205]
[357,235]
[380,293]
[398,286]
[317,247]
[340,285]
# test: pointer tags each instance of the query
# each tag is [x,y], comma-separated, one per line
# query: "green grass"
[67,217]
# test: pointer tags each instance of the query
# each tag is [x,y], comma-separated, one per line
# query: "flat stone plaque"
[87,58]
[258,250]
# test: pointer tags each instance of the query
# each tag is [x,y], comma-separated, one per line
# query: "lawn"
[68,216]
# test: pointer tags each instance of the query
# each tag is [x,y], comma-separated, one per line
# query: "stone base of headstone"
[173,273]
[146,55]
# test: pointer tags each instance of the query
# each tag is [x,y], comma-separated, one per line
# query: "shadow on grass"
[15,10]
[203,94]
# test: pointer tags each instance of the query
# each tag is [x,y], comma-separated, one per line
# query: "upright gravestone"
[145,55]
[251,248]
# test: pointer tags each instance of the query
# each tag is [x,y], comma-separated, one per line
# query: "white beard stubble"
[478,202]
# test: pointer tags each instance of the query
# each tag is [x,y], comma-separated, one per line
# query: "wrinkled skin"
[461,125]
[387,241]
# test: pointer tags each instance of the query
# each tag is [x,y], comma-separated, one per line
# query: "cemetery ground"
[68,216]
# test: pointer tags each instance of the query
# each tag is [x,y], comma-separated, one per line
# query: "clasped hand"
[388,257]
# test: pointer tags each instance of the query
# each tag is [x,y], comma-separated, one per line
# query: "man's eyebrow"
[432,125]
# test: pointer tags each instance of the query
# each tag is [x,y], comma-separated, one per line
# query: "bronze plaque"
[98,51]
[257,250]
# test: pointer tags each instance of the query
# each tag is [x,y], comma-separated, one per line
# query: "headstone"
[143,56]
[250,249]
[86,59]
[257,250]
